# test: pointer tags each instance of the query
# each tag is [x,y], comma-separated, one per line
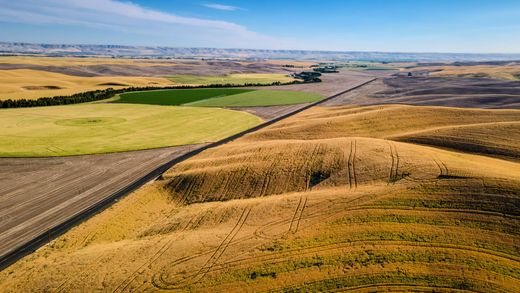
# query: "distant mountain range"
[7,48]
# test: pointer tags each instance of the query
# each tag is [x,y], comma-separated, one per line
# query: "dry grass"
[285,211]
[511,72]
[378,121]
[32,84]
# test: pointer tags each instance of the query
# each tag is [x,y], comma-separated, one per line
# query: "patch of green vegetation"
[481,202]
[371,258]
[236,79]
[502,226]
[174,97]
[318,176]
[90,121]
[361,65]
[104,128]
[218,97]
[259,98]
[397,177]
[406,235]
[375,280]
[256,274]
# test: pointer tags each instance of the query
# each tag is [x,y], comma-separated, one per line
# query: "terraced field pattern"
[376,198]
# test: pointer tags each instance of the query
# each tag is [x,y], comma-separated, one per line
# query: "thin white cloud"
[221,7]
[99,12]
[124,20]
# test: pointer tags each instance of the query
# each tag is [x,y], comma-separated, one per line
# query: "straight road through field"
[47,196]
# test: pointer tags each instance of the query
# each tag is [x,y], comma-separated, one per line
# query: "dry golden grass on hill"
[490,132]
[31,84]
[324,200]
[511,72]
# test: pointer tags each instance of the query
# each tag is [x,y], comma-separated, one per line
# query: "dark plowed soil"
[451,91]
[436,91]
[39,193]
[333,83]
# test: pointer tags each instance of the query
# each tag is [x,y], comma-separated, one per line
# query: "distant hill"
[7,48]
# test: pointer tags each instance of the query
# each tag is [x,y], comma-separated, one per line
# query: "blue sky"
[477,26]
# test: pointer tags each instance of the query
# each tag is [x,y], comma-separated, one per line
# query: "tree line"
[108,93]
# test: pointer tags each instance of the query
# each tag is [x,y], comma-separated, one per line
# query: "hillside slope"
[324,200]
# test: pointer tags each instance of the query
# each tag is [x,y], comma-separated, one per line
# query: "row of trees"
[98,95]
[307,76]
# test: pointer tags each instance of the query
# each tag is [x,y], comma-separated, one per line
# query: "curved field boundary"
[45,237]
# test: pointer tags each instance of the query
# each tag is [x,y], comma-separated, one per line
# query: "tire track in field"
[161,283]
[65,284]
[394,169]
[349,175]
[447,172]
[128,281]
[352,163]
[134,275]
[443,170]
[298,213]
[285,255]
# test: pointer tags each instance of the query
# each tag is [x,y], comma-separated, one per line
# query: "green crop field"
[224,97]
[102,128]
[259,98]
[176,96]
[241,78]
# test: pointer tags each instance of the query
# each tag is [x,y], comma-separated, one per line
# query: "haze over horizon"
[376,25]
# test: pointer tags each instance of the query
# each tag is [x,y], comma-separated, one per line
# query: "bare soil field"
[39,193]
[333,83]
[428,90]
[452,92]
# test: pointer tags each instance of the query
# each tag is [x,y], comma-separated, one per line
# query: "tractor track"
[351,165]
[128,281]
[394,169]
[159,280]
[298,213]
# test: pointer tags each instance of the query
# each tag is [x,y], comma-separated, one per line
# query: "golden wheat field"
[31,84]
[378,198]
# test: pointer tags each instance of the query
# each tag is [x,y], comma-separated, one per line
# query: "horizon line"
[262,49]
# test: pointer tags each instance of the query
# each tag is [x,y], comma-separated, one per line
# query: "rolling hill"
[332,198]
